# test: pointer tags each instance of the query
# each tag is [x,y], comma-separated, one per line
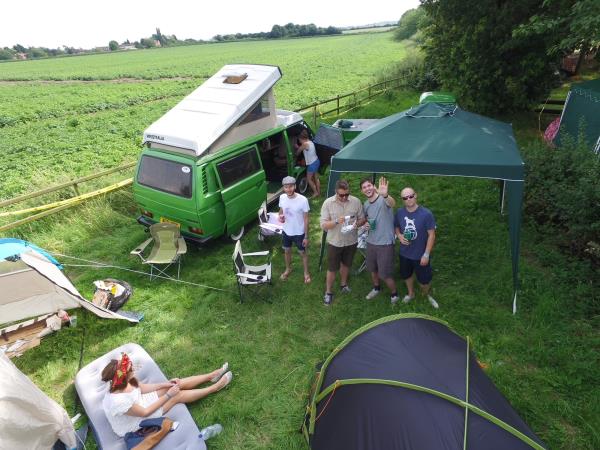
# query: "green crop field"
[54,125]
[68,117]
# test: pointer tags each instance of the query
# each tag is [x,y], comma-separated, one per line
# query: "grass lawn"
[544,359]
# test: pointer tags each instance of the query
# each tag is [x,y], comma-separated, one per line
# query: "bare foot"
[284,276]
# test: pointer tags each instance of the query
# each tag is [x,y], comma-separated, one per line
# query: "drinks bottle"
[210,431]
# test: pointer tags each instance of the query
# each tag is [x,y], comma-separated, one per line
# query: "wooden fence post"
[338,105]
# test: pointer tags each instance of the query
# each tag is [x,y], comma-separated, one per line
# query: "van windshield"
[167,176]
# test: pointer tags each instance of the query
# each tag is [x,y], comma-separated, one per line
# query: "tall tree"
[471,47]
[569,24]
[408,24]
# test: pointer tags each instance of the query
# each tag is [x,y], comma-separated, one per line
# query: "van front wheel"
[237,235]
[302,184]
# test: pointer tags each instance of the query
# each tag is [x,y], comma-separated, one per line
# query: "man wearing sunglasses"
[341,215]
[415,228]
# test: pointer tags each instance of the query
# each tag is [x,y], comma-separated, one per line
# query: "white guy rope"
[102,265]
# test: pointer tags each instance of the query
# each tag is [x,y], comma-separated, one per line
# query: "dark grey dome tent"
[409,382]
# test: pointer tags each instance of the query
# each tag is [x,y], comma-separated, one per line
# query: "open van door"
[243,187]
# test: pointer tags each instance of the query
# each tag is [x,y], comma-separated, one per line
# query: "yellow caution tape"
[72,200]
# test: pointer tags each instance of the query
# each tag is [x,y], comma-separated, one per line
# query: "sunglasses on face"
[408,196]
[344,195]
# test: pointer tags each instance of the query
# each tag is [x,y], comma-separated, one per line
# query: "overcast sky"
[88,23]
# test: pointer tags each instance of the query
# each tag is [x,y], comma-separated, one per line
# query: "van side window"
[167,176]
[239,167]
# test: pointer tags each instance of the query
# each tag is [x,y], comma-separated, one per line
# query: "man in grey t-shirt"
[379,212]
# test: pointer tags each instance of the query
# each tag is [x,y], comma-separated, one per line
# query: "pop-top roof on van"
[212,109]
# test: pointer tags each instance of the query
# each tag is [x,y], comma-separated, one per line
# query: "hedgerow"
[562,195]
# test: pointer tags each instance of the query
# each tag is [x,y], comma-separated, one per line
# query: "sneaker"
[433,302]
[394,299]
[407,298]
[374,293]
[346,289]
[327,299]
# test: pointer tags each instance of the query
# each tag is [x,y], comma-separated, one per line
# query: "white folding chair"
[250,276]
[268,223]
[362,248]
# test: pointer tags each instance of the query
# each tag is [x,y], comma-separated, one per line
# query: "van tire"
[238,235]
[302,184]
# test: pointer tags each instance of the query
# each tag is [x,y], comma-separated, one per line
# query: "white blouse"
[116,406]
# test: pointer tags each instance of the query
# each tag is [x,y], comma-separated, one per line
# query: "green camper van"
[209,163]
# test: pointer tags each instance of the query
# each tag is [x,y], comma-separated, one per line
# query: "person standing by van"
[311,159]
[293,213]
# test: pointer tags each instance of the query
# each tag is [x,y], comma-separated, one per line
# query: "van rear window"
[167,176]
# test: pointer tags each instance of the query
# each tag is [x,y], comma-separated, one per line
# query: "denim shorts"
[313,167]
[289,240]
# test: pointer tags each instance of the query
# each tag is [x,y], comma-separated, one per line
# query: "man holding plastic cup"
[379,211]
[293,213]
[415,228]
[341,215]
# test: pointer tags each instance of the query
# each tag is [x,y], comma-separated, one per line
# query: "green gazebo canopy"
[441,139]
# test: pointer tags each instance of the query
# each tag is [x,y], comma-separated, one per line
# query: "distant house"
[127,47]
[21,55]
[157,42]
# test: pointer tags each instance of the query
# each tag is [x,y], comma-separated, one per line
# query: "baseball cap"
[288,180]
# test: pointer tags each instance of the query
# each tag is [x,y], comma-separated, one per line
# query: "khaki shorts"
[380,259]
[337,255]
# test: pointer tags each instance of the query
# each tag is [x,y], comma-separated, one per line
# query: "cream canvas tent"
[29,419]
[32,284]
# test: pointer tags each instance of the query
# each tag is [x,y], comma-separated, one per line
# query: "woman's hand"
[173,390]
[173,381]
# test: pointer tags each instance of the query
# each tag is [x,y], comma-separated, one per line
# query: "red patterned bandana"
[120,376]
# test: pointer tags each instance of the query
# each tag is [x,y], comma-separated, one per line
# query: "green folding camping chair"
[167,250]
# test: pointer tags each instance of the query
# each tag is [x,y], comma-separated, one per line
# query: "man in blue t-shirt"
[415,228]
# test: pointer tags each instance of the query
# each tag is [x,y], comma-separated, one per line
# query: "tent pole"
[515,200]
[502,193]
